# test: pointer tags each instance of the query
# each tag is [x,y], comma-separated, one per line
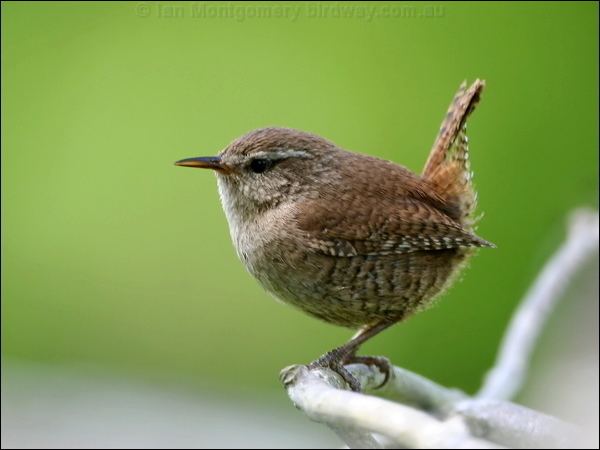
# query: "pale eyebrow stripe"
[282,154]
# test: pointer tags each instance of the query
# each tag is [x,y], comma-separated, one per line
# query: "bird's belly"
[359,290]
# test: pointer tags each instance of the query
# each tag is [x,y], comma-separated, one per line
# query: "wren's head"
[268,166]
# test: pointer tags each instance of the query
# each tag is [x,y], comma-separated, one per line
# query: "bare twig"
[408,388]
[297,379]
[516,426]
[508,373]
[422,420]
[314,393]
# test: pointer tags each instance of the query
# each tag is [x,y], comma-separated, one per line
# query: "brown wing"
[349,228]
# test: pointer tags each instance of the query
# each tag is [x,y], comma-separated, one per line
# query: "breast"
[247,228]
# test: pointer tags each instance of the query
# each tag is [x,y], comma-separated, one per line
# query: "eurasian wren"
[351,239]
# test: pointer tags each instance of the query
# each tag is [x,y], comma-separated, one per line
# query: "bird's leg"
[334,360]
[382,363]
[346,354]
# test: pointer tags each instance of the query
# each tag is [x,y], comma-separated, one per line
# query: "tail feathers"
[447,168]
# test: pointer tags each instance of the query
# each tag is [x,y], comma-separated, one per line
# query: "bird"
[349,238]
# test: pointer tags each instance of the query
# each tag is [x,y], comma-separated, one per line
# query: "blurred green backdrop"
[114,258]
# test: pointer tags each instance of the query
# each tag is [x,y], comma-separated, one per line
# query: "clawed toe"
[382,363]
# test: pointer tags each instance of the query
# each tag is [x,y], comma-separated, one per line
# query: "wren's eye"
[260,165]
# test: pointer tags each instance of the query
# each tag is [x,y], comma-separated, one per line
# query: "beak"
[203,162]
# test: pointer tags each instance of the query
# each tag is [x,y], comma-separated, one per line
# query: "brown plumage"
[351,239]
[447,168]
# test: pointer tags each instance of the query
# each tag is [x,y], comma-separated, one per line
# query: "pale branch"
[408,388]
[495,420]
[515,425]
[427,415]
[317,394]
[508,373]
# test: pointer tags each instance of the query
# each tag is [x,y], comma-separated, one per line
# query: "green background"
[113,258]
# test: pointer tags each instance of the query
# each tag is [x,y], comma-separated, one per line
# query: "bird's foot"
[335,360]
[381,362]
